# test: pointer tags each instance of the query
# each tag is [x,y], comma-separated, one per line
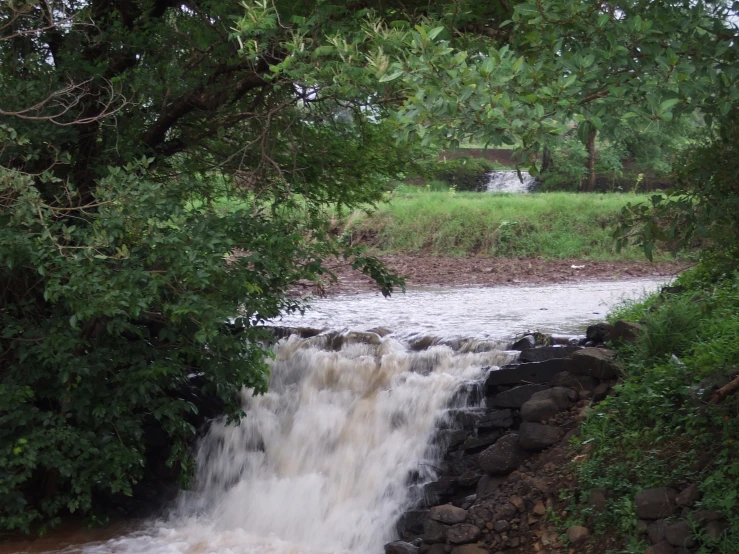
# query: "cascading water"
[508,181]
[347,435]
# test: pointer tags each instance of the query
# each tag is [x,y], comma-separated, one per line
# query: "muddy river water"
[320,463]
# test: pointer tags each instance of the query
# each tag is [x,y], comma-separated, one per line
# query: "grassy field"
[547,225]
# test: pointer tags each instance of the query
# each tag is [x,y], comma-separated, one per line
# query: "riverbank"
[426,271]
[552,226]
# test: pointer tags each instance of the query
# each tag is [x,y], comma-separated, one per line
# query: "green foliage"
[549,225]
[130,299]
[704,206]
[656,427]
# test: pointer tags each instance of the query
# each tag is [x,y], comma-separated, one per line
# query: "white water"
[320,463]
[508,181]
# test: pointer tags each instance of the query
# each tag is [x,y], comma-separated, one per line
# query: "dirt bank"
[488,272]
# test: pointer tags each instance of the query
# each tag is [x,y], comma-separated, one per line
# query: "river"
[320,464]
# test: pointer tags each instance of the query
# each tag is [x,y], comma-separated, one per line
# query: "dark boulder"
[447,513]
[528,341]
[578,383]
[497,419]
[599,333]
[535,436]
[525,373]
[593,362]
[517,396]
[656,503]
[411,523]
[503,457]
[463,533]
[680,534]
[539,410]
[545,353]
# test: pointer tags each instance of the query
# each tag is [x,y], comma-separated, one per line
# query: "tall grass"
[549,225]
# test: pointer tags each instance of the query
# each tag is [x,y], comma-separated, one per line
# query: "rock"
[503,457]
[527,372]
[539,410]
[357,337]
[474,444]
[656,531]
[411,523]
[579,383]
[439,491]
[597,500]
[577,534]
[535,436]
[544,353]
[593,362]
[501,526]
[680,534]
[468,549]
[498,419]
[655,503]
[563,397]
[527,342]
[625,331]
[380,331]
[517,396]
[517,503]
[400,547]
[433,531]
[715,529]
[468,479]
[488,485]
[600,332]
[540,509]
[436,549]
[448,514]
[662,548]
[601,391]
[462,533]
[705,515]
[689,496]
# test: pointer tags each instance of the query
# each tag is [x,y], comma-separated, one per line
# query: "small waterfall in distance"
[508,181]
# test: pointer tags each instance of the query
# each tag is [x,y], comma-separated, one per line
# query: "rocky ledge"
[507,458]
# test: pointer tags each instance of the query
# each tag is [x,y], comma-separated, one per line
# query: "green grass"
[658,425]
[549,225]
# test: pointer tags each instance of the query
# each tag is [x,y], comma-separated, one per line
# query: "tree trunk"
[590,145]
[546,160]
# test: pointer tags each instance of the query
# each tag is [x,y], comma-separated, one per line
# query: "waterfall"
[508,181]
[322,461]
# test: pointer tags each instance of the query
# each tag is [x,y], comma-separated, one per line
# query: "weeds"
[659,429]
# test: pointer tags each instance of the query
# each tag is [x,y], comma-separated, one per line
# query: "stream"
[320,464]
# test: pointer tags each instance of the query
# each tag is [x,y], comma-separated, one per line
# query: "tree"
[160,174]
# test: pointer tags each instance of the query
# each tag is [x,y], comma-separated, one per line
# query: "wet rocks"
[517,396]
[503,457]
[525,373]
[400,547]
[593,362]
[545,353]
[498,419]
[536,436]
[463,533]
[448,513]
[656,503]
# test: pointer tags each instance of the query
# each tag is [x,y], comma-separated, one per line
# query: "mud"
[421,271]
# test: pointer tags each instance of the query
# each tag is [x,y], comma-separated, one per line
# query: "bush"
[657,425]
